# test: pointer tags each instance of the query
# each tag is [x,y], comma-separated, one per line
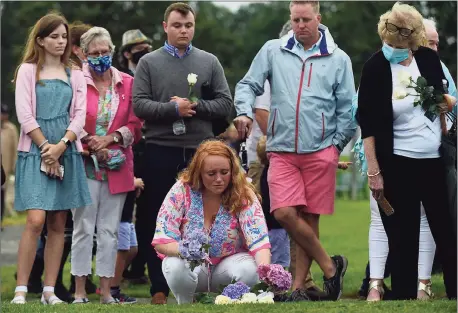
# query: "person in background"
[51,109]
[307,130]
[78,29]
[278,236]
[213,195]
[127,243]
[110,130]
[433,42]
[9,142]
[134,46]
[174,124]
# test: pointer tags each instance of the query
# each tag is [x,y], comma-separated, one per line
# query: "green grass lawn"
[344,233]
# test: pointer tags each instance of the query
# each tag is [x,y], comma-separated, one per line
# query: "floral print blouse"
[182,211]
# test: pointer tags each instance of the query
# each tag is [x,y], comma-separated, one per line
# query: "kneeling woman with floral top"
[212,195]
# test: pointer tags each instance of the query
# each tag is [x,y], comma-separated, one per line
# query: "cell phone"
[43,169]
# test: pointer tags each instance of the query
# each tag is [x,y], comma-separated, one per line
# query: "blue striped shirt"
[172,50]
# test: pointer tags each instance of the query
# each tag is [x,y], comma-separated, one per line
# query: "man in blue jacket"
[310,123]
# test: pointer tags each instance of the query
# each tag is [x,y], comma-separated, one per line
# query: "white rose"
[404,78]
[223,300]
[266,299]
[249,298]
[192,79]
[399,93]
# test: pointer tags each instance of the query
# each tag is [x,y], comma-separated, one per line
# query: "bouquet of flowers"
[195,248]
[273,278]
[239,292]
[430,99]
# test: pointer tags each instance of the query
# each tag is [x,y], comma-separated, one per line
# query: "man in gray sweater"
[174,124]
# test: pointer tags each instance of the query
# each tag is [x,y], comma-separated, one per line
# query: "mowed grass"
[346,232]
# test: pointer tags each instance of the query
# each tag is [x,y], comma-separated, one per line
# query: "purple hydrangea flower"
[235,291]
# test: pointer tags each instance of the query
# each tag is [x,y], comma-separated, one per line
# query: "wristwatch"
[66,141]
[115,139]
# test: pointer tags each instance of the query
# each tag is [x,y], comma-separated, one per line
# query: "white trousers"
[378,245]
[184,283]
[105,214]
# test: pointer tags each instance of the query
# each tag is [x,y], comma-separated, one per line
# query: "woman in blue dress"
[50,177]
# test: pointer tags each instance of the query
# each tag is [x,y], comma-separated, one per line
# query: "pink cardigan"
[122,120]
[26,104]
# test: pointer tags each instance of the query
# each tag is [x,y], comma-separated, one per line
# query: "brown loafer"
[159,298]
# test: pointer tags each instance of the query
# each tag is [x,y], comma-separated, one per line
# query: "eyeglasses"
[99,53]
[404,32]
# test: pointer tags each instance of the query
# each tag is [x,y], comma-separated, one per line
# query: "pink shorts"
[304,180]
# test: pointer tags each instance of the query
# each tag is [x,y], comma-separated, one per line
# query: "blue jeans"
[280,247]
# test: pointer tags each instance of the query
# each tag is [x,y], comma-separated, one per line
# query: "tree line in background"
[234,37]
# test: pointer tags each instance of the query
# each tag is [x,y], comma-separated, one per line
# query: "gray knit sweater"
[160,76]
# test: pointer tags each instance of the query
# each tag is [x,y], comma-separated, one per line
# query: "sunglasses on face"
[404,32]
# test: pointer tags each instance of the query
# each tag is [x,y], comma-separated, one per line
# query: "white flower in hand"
[192,79]
[249,298]
[404,78]
[223,300]
[399,93]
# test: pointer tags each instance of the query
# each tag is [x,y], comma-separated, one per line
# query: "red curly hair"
[239,193]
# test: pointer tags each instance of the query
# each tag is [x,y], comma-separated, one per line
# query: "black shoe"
[298,295]
[316,294]
[364,289]
[123,298]
[334,285]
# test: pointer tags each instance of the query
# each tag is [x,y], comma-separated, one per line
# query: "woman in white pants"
[110,130]
[378,253]
[378,240]
[212,197]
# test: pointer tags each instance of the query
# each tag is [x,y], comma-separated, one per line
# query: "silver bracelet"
[42,144]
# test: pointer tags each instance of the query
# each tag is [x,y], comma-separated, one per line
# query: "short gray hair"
[430,22]
[96,33]
[285,29]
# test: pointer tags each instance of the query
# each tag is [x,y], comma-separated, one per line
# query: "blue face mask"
[100,64]
[393,55]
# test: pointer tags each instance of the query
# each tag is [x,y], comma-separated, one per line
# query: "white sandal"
[52,300]
[427,290]
[19,299]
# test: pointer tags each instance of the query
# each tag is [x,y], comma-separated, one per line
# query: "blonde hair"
[239,194]
[96,33]
[315,5]
[261,150]
[34,53]
[404,16]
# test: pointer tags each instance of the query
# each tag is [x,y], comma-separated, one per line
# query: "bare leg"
[123,260]
[28,246]
[305,236]
[121,264]
[105,284]
[303,261]
[54,247]
[80,287]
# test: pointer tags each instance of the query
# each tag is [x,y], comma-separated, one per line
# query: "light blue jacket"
[311,98]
